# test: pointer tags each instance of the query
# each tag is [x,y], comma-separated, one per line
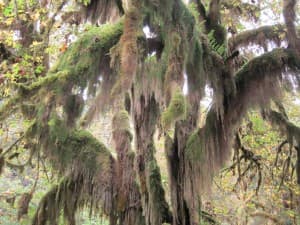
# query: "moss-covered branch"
[78,67]
[257,83]
[89,168]
[260,36]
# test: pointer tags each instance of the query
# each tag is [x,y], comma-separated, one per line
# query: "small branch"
[279,150]
[11,146]
[45,169]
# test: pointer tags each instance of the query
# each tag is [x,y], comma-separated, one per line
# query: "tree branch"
[259,36]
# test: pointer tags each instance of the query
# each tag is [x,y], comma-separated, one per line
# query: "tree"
[140,78]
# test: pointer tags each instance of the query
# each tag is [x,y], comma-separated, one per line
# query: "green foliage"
[217,47]
[82,59]
[84,2]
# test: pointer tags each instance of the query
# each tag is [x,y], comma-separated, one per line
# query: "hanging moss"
[175,111]
[89,168]
[81,61]
[83,57]
[194,147]
[53,202]
[158,207]
[129,48]
[73,107]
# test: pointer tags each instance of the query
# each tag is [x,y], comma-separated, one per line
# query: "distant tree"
[116,63]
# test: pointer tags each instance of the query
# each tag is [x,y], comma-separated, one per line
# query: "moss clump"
[83,58]
[175,111]
[73,107]
[194,149]
[80,63]
[121,121]
[76,146]
[57,131]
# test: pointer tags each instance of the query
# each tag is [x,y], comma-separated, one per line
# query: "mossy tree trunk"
[155,207]
[183,209]
[128,202]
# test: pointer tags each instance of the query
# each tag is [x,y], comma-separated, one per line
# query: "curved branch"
[11,146]
[259,36]
[256,83]
[259,81]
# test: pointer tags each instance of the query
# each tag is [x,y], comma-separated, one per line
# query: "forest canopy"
[150,63]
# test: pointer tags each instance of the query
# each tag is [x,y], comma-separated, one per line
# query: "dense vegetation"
[150,63]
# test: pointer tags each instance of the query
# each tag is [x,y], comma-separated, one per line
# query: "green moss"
[73,107]
[266,65]
[194,147]
[81,61]
[175,111]
[121,121]
[58,133]
[84,2]
[67,147]
[83,57]
[156,191]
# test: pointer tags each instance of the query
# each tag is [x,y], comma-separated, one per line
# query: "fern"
[219,48]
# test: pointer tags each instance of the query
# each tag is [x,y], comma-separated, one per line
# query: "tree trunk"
[185,208]
[155,207]
[128,196]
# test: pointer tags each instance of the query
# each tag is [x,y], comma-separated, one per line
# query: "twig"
[12,146]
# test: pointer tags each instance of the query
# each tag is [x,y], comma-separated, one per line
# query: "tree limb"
[259,36]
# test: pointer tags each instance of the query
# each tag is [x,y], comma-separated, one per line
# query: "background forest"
[149,112]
